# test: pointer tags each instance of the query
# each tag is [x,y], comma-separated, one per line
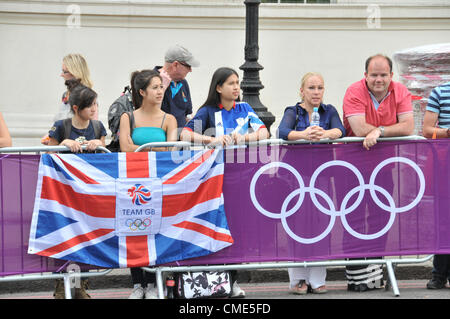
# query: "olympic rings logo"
[344,210]
[138,224]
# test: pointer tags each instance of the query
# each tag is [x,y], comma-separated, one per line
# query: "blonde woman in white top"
[74,66]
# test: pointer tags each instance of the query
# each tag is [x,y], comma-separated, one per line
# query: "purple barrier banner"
[18,178]
[323,202]
[289,203]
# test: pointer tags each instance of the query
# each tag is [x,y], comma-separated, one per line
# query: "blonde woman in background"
[74,66]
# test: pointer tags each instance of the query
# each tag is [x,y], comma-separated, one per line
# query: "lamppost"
[250,83]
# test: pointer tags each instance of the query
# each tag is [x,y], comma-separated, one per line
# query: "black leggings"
[139,276]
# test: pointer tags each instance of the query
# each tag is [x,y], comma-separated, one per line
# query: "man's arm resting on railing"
[404,127]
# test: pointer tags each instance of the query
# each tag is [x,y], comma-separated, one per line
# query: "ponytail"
[135,96]
[79,95]
[72,83]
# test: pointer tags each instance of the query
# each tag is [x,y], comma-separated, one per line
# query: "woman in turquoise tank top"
[148,123]
[145,125]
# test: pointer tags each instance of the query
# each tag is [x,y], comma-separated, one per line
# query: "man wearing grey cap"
[177,97]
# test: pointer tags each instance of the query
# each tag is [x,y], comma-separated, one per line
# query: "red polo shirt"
[357,101]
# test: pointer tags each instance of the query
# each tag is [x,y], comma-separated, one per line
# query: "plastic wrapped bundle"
[421,70]
[428,59]
[421,86]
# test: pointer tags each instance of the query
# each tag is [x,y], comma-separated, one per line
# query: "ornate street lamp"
[250,83]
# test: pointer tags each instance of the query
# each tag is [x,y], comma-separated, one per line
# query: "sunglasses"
[185,64]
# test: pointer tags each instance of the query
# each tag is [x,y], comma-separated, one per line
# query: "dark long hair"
[79,95]
[219,77]
[140,80]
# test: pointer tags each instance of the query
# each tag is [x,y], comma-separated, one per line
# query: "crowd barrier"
[289,256]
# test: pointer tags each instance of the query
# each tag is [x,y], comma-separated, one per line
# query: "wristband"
[381,128]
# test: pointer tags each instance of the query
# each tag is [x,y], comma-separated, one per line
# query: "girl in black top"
[84,129]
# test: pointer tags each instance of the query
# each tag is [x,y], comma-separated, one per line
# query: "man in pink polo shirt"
[376,106]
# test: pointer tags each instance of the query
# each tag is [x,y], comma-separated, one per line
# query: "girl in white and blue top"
[222,120]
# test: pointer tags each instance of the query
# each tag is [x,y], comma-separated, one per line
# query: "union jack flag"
[76,211]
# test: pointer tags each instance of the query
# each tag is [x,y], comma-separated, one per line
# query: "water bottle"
[315,118]
[170,284]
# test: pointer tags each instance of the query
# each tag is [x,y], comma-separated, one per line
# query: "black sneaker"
[436,283]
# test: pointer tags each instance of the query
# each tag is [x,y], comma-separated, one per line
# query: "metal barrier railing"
[390,263]
[278,141]
[67,277]
[40,149]
[164,144]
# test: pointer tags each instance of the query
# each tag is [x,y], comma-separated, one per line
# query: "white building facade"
[117,37]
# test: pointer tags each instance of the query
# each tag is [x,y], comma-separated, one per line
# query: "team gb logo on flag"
[138,203]
[139,194]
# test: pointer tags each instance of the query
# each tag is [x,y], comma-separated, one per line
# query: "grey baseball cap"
[180,54]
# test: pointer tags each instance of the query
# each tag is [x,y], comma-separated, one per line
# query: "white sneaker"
[237,292]
[137,293]
[151,293]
